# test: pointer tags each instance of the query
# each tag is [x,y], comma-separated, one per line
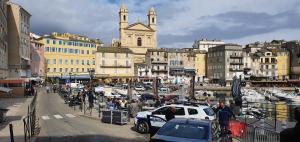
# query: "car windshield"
[209,111]
[185,130]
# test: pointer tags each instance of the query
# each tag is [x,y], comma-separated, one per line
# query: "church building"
[138,37]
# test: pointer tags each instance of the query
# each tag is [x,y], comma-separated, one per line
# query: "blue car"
[184,130]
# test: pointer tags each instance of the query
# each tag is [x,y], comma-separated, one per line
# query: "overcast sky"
[180,22]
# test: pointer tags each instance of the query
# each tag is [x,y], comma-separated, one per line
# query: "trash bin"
[3,114]
[120,117]
[237,128]
[106,116]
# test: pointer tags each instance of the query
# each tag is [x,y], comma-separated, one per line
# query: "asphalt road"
[59,123]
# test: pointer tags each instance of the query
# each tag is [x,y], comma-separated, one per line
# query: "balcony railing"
[236,56]
[115,66]
[159,70]
[235,70]
[159,62]
[236,63]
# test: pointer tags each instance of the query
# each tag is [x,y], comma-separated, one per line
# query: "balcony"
[159,70]
[236,56]
[236,63]
[115,66]
[159,62]
[236,70]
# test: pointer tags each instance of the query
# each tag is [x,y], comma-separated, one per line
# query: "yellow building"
[200,65]
[114,64]
[69,53]
[283,64]
[138,37]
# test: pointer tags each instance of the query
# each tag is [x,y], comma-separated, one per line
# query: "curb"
[87,116]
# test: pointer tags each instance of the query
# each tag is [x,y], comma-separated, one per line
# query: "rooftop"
[114,50]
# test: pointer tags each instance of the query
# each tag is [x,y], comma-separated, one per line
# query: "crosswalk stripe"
[70,115]
[58,116]
[45,117]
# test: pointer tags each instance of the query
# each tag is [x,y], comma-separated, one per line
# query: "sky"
[179,22]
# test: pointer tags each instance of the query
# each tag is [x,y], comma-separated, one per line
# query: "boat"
[250,95]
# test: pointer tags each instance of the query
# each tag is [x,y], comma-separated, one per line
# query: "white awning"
[5,90]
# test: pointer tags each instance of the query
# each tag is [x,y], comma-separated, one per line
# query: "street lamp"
[70,82]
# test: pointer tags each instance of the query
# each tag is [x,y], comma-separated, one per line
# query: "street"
[59,123]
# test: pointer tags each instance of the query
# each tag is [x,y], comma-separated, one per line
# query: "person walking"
[225,115]
[292,134]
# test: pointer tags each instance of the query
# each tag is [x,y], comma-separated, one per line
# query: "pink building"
[37,56]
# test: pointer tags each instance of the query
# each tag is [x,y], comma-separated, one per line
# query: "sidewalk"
[17,110]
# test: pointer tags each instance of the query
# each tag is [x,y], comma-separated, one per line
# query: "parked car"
[182,111]
[164,90]
[184,130]
[139,88]
[148,87]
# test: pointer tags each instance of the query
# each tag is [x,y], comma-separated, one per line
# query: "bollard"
[11,130]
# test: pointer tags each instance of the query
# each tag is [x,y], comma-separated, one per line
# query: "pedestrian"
[157,102]
[110,105]
[225,115]
[47,89]
[170,113]
[292,134]
[134,108]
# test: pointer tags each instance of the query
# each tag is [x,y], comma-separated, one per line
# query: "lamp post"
[70,82]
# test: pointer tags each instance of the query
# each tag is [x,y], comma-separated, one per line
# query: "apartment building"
[224,62]
[3,40]
[37,58]
[114,64]
[157,61]
[67,54]
[18,41]
[205,44]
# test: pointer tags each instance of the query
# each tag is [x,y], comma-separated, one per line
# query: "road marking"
[45,117]
[58,116]
[70,115]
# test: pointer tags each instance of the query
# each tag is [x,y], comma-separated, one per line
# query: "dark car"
[184,130]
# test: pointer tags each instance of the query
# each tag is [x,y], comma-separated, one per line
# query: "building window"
[60,69]
[82,51]
[77,70]
[54,61]
[124,17]
[93,62]
[87,52]
[60,42]
[48,70]
[48,41]
[82,70]
[71,62]
[66,70]
[139,41]
[54,69]
[66,62]
[54,41]
[60,61]
[77,62]
[48,61]
[87,62]
[82,62]
[71,69]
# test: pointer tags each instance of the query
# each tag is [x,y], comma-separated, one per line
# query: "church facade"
[138,37]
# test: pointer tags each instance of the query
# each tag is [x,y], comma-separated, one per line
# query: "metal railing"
[258,134]
[30,121]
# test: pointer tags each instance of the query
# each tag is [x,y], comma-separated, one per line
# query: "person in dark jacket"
[292,134]
[170,113]
[225,115]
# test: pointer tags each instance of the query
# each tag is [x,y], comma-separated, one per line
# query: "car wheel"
[142,127]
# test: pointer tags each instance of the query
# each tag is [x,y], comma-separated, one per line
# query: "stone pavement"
[17,110]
